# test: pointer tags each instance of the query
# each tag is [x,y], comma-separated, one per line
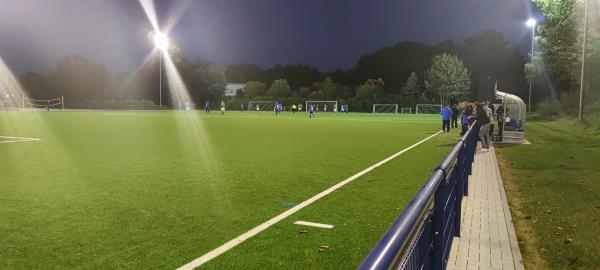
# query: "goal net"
[45,104]
[10,101]
[6,104]
[385,108]
[322,105]
[429,109]
[260,105]
[406,111]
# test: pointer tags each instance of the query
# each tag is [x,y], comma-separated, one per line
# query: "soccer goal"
[428,109]
[6,104]
[406,111]
[44,104]
[261,105]
[322,105]
[385,108]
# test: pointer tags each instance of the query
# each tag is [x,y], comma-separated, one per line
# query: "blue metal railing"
[422,235]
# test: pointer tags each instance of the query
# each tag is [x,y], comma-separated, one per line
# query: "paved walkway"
[488,239]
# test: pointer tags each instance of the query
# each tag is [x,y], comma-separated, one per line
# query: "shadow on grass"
[446,145]
[506,145]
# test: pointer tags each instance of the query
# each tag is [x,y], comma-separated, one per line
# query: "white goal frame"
[390,105]
[324,102]
[47,104]
[252,103]
[403,110]
[420,109]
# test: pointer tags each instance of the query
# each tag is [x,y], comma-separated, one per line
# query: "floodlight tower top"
[161,41]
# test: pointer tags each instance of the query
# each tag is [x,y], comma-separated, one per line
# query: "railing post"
[460,184]
[437,226]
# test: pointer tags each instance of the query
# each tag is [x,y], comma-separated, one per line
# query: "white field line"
[256,230]
[275,117]
[312,224]
[18,139]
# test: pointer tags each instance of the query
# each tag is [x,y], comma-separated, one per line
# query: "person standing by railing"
[446,115]
[455,113]
[483,122]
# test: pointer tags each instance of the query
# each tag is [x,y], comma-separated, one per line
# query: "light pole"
[162,44]
[531,23]
[585,22]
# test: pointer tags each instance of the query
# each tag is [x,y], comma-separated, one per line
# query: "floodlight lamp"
[531,22]
[160,41]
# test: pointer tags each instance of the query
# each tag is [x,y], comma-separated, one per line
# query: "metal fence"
[422,235]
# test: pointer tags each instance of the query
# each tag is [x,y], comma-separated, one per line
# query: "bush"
[569,102]
[548,109]
[591,115]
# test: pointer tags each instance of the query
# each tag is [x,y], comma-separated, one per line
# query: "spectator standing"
[483,122]
[455,113]
[490,114]
[446,115]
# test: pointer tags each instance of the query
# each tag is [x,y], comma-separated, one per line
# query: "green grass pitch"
[155,190]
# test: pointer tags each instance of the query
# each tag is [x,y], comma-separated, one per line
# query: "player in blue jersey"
[207,107]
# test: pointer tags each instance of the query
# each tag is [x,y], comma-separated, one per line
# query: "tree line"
[406,73]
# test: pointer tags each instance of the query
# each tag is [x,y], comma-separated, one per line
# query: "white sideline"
[18,139]
[312,224]
[256,230]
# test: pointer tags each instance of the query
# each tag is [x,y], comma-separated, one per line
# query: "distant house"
[231,88]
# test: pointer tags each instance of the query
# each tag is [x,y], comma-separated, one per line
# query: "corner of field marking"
[12,139]
[313,224]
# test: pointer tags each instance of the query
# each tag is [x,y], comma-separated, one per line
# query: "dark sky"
[35,34]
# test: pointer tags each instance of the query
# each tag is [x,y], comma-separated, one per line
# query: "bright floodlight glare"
[161,41]
[531,22]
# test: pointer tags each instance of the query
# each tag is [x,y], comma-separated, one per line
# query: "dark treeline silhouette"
[486,55]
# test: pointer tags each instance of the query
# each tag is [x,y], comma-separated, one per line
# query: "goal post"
[385,108]
[47,104]
[428,109]
[10,102]
[261,105]
[322,105]
[406,111]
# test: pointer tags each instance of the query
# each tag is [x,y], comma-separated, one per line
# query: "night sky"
[36,34]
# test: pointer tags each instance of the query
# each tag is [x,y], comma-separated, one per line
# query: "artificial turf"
[154,190]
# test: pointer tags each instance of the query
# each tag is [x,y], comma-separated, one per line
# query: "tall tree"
[366,92]
[255,89]
[280,88]
[38,86]
[304,91]
[448,77]
[558,41]
[411,87]
[331,90]
[296,75]
[490,59]
[80,80]
[395,64]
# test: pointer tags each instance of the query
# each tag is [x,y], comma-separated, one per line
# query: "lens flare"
[11,92]
[161,41]
[189,125]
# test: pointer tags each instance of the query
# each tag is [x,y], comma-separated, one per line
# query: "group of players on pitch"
[278,108]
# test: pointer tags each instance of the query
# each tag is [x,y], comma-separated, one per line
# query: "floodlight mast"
[531,23]
[161,41]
